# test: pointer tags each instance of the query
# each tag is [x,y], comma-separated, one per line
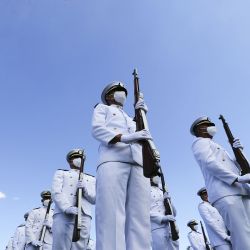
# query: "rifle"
[78,219]
[42,234]
[205,237]
[151,156]
[240,158]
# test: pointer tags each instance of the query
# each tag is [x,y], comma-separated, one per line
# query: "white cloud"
[2,195]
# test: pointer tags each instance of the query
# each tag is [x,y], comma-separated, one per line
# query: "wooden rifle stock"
[78,217]
[151,156]
[239,156]
[205,237]
[42,234]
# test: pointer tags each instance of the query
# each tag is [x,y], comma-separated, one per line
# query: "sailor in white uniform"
[34,224]
[224,184]
[195,238]
[19,235]
[64,188]
[216,229]
[160,229]
[122,192]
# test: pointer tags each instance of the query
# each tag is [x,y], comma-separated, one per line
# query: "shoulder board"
[21,225]
[36,208]
[96,105]
[90,175]
[63,169]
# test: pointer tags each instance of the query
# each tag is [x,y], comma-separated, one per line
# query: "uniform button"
[71,194]
[114,114]
[218,148]
[71,185]
[70,177]
[115,128]
[223,159]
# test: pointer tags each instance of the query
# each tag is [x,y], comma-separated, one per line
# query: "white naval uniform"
[123,193]
[229,197]
[64,188]
[19,238]
[215,226]
[196,240]
[161,233]
[34,225]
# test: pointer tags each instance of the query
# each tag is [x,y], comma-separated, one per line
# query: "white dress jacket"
[107,122]
[64,188]
[218,169]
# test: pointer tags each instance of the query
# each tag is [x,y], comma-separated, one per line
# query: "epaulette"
[90,175]
[21,225]
[36,208]
[63,169]
[96,105]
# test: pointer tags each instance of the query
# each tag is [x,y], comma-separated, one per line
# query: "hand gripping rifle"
[78,219]
[205,237]
[44,228]
[240,158]
[151,156]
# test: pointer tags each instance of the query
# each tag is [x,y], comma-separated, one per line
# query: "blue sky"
[56,57]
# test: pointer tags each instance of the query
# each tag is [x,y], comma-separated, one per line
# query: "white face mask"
[212,130]
[196,227]
[77,162]
[120,97]
[156,180]
[46,203]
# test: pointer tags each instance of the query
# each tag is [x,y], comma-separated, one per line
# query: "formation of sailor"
[19,235]
[215,225]
[122,192]
[160,229]
[195,238]
[64,188]
[225,186]
[34,224]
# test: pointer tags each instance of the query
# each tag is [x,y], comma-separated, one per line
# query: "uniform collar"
[117,106]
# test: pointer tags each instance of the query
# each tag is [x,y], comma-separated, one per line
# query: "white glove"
[167,218]
[47,224]
[228,238]
[71,210]
[37,243]
[244,178]
[141,105]
[166,196]
[237,144]
[80,184]
[136,136]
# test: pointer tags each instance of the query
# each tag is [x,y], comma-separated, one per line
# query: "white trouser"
[162,240]
[122,207]
[223,247]
[235,210]
[62,229]
[44,247]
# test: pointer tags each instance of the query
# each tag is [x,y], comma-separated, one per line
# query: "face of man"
[117,97]
[75,163]
[203,130]
[204,196]
[46,202]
